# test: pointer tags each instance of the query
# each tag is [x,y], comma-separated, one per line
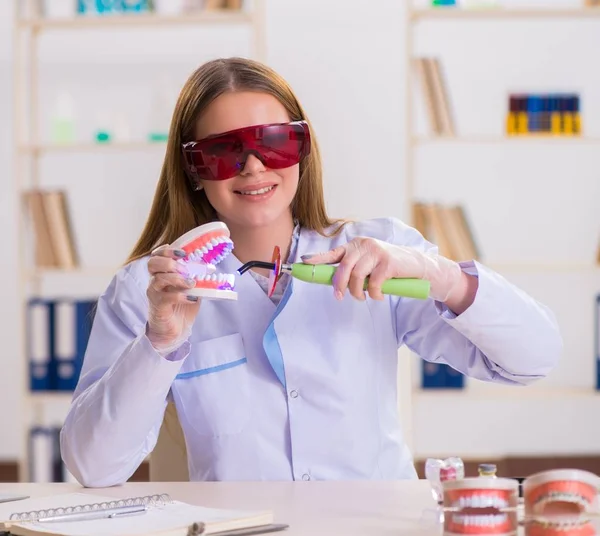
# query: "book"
[544,114]
[148,515]
[436,95]
[53,235]
[447,227]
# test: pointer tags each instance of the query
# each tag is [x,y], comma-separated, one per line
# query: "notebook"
[163,516]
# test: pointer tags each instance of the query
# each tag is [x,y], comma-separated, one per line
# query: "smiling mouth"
[259,191]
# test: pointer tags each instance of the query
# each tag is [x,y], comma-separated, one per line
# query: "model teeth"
[258,192]
[198,254]
[480,521]
[482,501]
[219,278]
[561,496]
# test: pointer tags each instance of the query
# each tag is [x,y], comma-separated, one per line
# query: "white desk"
[310,508]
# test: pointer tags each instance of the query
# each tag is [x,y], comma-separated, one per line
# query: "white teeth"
[481,521]
[552,496]
[219,278]
[258,192]
[482,501]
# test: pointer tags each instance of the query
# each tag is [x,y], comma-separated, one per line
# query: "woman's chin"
[264,217]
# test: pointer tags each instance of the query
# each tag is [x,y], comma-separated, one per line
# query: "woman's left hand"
[369,257]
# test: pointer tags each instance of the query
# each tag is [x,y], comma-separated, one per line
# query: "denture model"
[561,502]
[205,247]
[481,506]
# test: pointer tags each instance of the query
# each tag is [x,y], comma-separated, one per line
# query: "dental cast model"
[561,501]
[481,506]
[205,247]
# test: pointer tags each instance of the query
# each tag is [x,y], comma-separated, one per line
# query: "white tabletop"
[309,508]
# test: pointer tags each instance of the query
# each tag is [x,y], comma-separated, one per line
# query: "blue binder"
[441,376]
[40,343]
[56,343]
[597,341]
[66,362]
[44,456]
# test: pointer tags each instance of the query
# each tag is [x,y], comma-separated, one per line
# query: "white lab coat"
[303,390]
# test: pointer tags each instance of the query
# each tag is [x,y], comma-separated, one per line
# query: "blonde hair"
[176,207]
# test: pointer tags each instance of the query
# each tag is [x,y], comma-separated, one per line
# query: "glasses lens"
[224,157]
[281,146]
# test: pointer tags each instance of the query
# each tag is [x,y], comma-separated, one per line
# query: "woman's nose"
[252,166]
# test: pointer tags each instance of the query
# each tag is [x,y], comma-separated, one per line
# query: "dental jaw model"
[481,506]
[205,247]
[561,502]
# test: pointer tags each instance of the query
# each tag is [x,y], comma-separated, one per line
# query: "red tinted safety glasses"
[223,156]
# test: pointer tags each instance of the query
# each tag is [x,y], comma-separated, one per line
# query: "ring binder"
[105,506]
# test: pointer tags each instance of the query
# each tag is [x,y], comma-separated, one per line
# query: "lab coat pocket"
[212,387]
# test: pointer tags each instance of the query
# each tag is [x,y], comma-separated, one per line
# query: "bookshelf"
[29,153]
[507,404]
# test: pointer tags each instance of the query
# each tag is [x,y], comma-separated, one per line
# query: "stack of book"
[437,102]
[543,113]
[53,235]
[448,228]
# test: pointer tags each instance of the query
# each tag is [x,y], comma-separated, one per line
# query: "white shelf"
[507,421]
[543,267]
[505,140]
[494,420]
[93,147]
[83,271]
[499,13]
[49,397]
[138,20]
[494,392]
[30,151]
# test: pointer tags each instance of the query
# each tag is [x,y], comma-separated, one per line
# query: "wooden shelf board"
[139,20]
[500,13]
[92,147]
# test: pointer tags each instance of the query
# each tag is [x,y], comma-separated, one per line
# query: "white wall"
[347,65]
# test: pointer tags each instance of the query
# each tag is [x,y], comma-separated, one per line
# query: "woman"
[300,385]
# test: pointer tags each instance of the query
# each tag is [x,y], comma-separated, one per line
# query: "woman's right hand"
[171,313]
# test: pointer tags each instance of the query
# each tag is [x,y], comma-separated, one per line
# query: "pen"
[97,514]
[199,528]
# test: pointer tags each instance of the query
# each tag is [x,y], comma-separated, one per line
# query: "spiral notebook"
[81,514]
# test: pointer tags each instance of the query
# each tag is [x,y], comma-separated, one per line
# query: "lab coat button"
[294,393]
[305,476]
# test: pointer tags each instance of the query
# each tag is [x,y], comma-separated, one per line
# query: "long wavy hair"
[176,207]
